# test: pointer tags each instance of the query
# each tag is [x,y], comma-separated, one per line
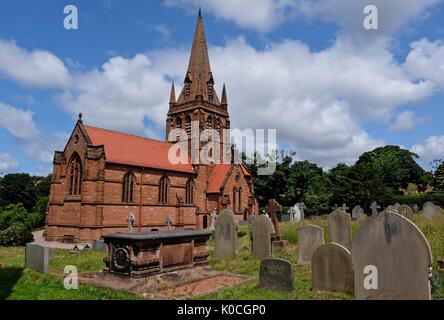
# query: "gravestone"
[392,209]
[310,238]
[37,257]
[291,213]
[213,220]
[276,274]
[374,207]
[225,235]
[430,210]
[391,259]
[98,245]
[331,268]
[272,209]
[405,211]
[339,226]
[344,207]
[302,208]
[169,223]
[358,213]
[262,237]
[131,219]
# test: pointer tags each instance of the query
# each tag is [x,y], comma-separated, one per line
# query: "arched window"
[239,200]
[217,122]
[178,123]
[163,189]
[128,187]
[188,125]
[189,198]
[234,199]
[75,175]
[209,122]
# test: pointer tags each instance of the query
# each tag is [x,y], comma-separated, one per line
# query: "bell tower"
[198,105]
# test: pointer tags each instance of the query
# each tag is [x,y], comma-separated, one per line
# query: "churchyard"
[17,282]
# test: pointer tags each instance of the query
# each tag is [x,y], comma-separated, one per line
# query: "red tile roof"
[123,148]
[217,176]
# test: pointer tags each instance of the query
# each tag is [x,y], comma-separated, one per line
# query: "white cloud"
[406,121]
[7,163]
[432,148]
[18,122]
[36,68]
[121,95]
[262,15]
[426,61]
[163,31]
[37,145]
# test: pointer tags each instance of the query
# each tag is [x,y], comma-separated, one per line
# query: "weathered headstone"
[272,209]
[374,207]
[302,208]
[391,259]
[131,219]
[225,235]
[405,211]
[310,238]
[37,257]
[262,237]
[331,268]
[276,274]
[358,213]
[339,226]
[344,207]
[213,220]
[98,245]
[291,213]
[430,210]
[391,208]
[169,223]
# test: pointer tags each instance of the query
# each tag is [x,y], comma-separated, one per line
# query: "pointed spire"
[224,100]
[199,69]
[173,94]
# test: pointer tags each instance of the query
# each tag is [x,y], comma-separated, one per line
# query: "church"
[104,178]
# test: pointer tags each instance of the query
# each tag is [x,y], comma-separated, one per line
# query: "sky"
[307,68]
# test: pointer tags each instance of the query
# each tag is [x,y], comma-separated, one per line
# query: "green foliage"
[16,235]
[397,167]
[40,210]
[42,185]
[18,188]
[15,214]
[438,178]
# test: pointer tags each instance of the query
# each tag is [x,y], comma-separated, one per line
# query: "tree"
[42,185]
[396,166]
[438,178]
[18,188]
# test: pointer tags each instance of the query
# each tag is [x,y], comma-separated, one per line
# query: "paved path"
[40,240]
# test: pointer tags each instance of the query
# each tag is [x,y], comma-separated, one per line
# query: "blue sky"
[305,67]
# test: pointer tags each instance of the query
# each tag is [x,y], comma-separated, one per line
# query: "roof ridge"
[126,134]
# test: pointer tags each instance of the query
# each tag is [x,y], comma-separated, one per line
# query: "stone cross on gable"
[344,207]
[375,207]
[131,219]
[169,222]
[272,209]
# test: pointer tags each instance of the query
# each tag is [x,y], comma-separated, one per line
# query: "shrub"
[16,235]
[16,214]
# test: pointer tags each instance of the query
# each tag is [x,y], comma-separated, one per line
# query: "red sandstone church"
[104,176]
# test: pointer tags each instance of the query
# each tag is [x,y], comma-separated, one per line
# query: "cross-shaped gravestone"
[291,213]
[213,220]
[375,207]
[344,207]
[169,222]
[131,219]
[272,209]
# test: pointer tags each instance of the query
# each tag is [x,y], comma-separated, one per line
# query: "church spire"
[199,76]
[173,94]
[224,100]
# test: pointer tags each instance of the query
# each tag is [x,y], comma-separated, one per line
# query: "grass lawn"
[16,282]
